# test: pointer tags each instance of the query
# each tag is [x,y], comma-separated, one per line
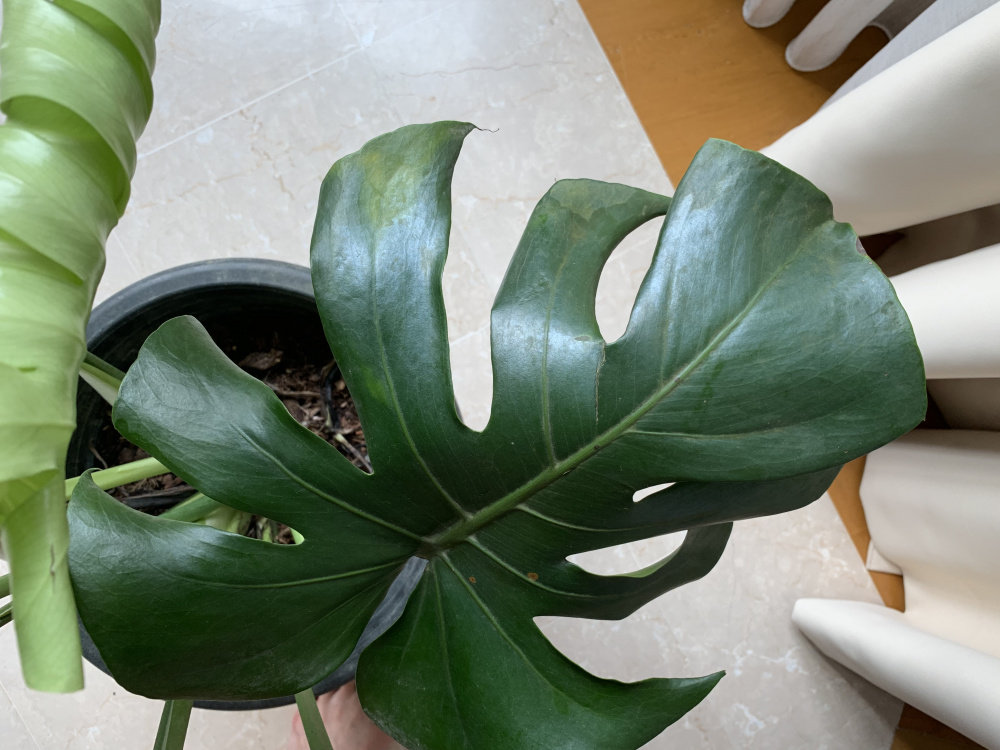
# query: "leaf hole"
[253,526]
[628,558]
[608,649]
[621,277]
[639,495]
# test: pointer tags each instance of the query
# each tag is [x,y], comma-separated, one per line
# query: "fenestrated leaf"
[223,616]
[76,92]
[762,352]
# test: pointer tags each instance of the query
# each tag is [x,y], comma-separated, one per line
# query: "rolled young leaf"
[76,92]
[763,351]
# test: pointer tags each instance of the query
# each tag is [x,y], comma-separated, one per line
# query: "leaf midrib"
[461,530]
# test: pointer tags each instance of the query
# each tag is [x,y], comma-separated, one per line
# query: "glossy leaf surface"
[763,351]
[76,92]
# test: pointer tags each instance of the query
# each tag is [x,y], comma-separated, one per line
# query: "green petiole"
[104,378]
[116,476]
[173,725]
[312,722]
[192,510]
[6,610]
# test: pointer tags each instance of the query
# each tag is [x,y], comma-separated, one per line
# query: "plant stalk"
[6,610]
[116,476]
[104,378]
[312,722]
[173,725]
[192,510]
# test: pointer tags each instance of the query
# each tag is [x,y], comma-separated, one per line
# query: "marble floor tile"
[105,716]
[215,56]
[255,100]
[247,185]
[372,20]
[12,727]
[529,72]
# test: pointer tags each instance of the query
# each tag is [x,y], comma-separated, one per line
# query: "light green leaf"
[76,92]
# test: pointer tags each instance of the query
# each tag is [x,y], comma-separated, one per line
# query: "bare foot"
[346,723]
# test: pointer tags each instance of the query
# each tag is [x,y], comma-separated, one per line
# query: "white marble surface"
[255,100]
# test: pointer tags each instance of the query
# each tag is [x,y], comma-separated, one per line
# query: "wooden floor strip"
[695,70]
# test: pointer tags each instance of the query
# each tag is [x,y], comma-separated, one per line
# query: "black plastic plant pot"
[224,295]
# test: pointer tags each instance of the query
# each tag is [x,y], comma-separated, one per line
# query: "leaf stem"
[192,510]
[173,725]
[229,519]
[312,722]
[103,377]
[93,361]
[116,476]
[6,610]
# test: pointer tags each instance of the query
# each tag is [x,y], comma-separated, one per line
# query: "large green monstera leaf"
[76,93]
[763,352]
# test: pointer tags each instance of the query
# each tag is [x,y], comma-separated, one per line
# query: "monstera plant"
[763,351]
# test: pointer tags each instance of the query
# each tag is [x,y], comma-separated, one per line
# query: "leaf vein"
[511,641]
[447,661]
[318,492]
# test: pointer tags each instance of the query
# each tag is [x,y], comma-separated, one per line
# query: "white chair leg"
[829,33]
[763,13]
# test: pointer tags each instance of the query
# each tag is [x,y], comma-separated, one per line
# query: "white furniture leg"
[763,13]
[830,31]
